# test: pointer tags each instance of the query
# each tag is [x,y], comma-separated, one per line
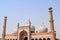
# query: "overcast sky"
[21,10]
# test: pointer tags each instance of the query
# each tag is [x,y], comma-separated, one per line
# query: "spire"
[4,28]
[17,25]
[43,24]
[29,30]
[29,23]
[17,29]
[51,20]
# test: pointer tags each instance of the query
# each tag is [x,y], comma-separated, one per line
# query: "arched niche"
[23,35]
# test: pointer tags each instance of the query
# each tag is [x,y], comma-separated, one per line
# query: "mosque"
[28,32]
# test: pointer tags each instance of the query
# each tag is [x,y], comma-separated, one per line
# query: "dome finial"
[43,24]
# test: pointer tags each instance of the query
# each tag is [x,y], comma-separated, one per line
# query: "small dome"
[32,28]
[43,28]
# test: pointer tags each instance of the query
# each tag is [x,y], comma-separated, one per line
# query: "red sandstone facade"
[28,32]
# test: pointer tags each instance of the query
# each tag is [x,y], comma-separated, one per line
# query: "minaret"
[17,27]
[51,20]
[17,30]
[29,29]
[29,23]
[4,28]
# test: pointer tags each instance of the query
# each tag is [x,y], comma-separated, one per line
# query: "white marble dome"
[32,28]
[43,28]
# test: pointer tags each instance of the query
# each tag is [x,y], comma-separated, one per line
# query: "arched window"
[32,39]
[48,38]
[36,39]
[40,39]
[44,38]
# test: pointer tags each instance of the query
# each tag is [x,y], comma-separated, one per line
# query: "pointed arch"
[36,39]
[32,39]
[44,38]
[23,35]
[48,38]
[40,38]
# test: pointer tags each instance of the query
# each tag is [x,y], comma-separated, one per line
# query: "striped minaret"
[53,34]
[51,20]
[4,28]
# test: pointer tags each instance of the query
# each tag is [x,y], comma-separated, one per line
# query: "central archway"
[23,35]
